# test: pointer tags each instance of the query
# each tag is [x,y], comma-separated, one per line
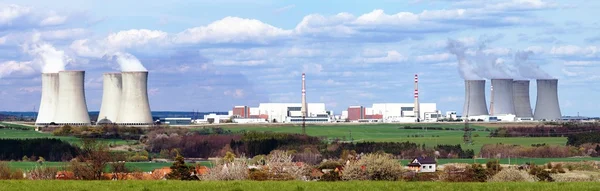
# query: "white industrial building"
[284,113]
[403,112]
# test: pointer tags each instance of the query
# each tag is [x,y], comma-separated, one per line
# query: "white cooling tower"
[134,108]
[546,106]
[72,108]
[475,104]
[111,97]
[503,102]
[521,99]
[49,99]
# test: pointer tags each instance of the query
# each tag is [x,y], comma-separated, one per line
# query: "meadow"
[32,134]
[396,133]
[287,185]
[143,166]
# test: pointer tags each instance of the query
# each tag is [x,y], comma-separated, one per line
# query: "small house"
[423,164]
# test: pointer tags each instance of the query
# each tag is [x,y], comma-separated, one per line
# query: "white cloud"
[10,13]
[240,62]
[434,57]
[14,67]
[390,57]
[237,93]
[53,20]
[232,30]
[573,50]
[312,68]
[63,34]
[134,37]
[581,63]
[284,9]
[569,73]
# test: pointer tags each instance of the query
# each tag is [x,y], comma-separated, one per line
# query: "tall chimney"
[304,108]
[416,107]
[492,99]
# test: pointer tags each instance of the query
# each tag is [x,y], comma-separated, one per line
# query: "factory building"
[284,112]
[393,112]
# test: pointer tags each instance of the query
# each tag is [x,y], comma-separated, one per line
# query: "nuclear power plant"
[124,99]
[546,106]
[71,108]
[521,100]
[475,104]
[510,100]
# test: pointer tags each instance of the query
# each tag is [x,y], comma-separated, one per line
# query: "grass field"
[31,134]
[143,166]
[286,185]
[395,133]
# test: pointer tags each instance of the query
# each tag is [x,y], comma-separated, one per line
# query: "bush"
[330,164]
[373,167]
[42,173]
[572,177]
[231,171]
[258,175]
[540,173]
[512,175]
[493,167]
[6,173]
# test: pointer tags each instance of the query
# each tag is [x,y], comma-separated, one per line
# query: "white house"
[423,164]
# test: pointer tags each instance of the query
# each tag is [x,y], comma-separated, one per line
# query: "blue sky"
[212,55]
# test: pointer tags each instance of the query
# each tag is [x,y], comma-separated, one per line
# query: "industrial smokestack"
[521,99]
[111,97]
[134,107]
[503,97]
[49,99]
[546,106]
[71,108]
[304,109]
[416,107]
[475,104]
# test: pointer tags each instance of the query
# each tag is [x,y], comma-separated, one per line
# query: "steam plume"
[128,62]
[47,56]
[528,69]
[486,65]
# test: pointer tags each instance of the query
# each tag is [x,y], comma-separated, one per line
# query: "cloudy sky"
[212,55]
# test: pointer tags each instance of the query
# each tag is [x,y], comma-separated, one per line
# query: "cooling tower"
[49,99]
[503,97]
[521,99]
[111,97]
[134,107]
[475,104]
[71,109]
[546,106]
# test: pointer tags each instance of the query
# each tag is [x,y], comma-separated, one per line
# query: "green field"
[143,166]
[287,185]
[395,133]
[31,134]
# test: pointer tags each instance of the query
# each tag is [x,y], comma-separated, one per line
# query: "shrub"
[453,173]
[330,164]
[373,167]
[42,173]
[493,167]
[281,167]
[258,175]
[331,176]
[6,173]
[540,173]
[232,171]
[572,177]
[512,175]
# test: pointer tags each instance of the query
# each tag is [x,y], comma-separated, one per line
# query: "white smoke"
[465,68]
[128,62]
[528,69]
[489,66]
[50,59]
